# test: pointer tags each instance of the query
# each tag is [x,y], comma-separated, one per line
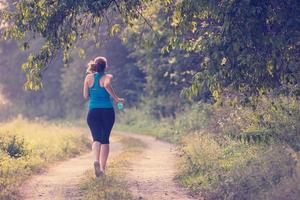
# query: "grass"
[233,170]
[113,186]
[27,146]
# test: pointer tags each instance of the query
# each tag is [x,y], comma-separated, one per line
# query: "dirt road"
[150,175]
[62,180]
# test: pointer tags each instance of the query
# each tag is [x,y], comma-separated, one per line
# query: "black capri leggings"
[101,121]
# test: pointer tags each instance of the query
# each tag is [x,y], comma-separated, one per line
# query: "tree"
[248,45]
[61,24]
[166,70]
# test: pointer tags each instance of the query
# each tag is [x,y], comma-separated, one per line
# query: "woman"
[101,116]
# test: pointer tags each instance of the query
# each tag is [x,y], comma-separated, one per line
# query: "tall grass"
[28,146]
[233,170]
[231,152]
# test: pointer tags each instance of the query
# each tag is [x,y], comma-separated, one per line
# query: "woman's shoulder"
[109,75]
[89,75]
[107,79]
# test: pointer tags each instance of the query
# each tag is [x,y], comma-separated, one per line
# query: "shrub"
[13,145]
[232,170]
[275,119]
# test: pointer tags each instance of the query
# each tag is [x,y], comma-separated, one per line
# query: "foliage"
[13,146]
[166,72]
[202,46]
[208,46]
[25,147]
[61,24]
[250,46]
[274,119]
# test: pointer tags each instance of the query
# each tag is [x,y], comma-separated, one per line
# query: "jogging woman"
[101,116]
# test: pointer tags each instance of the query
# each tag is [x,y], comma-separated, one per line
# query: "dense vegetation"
[218,78]
[231,152]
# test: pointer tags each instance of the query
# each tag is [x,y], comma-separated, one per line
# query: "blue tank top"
[99,97]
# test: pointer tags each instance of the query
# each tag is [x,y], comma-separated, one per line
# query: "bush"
[275,119]
[13,145]
[232,170]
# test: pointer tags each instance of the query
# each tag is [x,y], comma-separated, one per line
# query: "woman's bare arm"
[110,90]
[86,87]
[112,93]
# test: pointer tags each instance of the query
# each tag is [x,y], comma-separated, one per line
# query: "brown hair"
[98,64]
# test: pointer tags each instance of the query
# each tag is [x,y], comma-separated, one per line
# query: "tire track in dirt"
[151,174]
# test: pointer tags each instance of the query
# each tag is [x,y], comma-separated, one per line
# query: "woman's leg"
[96,132]
[93,120]
[108,119]
[96,148]
[104,155]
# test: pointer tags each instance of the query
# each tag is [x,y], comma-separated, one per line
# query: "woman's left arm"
[110,90]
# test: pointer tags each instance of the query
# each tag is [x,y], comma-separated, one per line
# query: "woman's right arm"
[86,88]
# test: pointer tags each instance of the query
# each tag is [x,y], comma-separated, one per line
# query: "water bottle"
[120,105]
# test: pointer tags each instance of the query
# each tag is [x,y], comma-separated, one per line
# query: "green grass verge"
[113,186]
[27,146]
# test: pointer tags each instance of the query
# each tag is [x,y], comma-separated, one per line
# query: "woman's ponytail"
[90,67]
[98,64]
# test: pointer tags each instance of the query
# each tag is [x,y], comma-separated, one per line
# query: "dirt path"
[151,175]
[62,180]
